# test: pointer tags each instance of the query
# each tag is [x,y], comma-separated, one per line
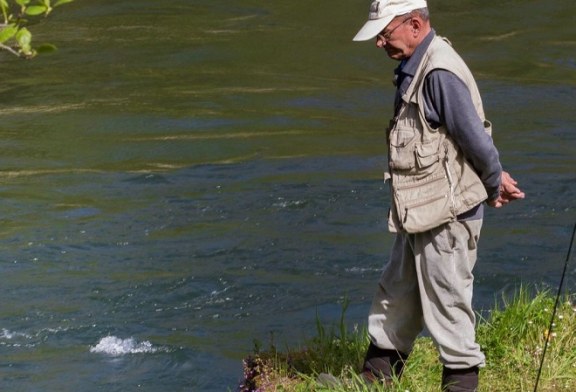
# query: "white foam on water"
[112,345]
[9,335]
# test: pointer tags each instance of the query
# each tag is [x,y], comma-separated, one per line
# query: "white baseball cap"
[381,14]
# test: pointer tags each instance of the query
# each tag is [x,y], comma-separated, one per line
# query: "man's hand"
[508,192]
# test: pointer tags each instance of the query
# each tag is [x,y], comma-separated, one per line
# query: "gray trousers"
[428,283]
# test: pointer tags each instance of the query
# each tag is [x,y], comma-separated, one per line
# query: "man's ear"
[416,24]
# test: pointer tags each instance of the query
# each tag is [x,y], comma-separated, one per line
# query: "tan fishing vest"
[431,181]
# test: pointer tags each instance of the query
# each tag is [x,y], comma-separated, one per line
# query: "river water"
[182,178]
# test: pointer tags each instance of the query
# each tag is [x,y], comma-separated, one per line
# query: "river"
[182,178]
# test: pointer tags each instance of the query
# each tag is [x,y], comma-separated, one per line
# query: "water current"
[182,178]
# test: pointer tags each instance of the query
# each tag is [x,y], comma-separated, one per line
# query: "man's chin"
[395,55]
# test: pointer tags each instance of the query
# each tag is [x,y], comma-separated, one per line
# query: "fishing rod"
[555,307]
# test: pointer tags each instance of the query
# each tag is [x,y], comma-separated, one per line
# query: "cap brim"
[372,28]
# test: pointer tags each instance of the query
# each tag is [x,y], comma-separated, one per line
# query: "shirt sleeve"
[448,102]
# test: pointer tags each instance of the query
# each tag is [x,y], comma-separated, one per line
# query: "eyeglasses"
[385,36]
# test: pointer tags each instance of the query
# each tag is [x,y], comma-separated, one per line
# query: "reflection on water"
[181,179]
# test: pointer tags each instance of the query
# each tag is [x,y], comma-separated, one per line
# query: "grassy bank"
[512,336]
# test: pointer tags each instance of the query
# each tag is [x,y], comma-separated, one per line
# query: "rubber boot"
[383,365]
[460,380]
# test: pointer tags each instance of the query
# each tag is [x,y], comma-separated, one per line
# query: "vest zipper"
[450,181]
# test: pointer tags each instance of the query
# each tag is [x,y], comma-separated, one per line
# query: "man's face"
[397,38]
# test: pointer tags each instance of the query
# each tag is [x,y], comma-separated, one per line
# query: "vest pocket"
[401,136]
[427,155]
[423,206]
[401,150]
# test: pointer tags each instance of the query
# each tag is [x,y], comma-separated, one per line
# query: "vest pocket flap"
[402,136]
[427,154]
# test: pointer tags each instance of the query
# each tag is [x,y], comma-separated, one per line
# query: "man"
[442,167]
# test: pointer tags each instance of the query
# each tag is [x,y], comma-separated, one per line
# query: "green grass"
[512,337]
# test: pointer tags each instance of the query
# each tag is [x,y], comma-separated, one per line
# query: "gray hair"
[423,13]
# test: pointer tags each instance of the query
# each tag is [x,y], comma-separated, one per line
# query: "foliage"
[333,350]
[15,37]
[512,337]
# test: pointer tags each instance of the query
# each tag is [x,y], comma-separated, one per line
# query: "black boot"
[460,380]
[383,365]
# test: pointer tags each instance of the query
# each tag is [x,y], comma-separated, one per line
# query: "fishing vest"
[431,180]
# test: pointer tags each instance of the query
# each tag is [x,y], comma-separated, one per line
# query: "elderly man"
[443,167]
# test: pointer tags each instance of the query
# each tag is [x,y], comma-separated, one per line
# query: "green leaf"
[24,37]
[7,33]
[46,48]
[36,10]
[4,6]
[60,2]
[23,2]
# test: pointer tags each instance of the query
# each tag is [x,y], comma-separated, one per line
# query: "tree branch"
[9,49]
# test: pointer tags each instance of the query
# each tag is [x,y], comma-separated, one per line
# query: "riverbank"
[512,335]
